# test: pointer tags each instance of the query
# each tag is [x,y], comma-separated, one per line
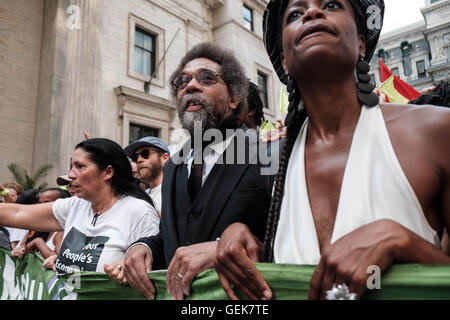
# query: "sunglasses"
[205,78]
[144,154]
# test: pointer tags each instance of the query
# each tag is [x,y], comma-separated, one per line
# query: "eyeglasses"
[205,78]
[144,154]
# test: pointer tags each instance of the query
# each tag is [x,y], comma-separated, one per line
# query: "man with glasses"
[204,188]
[150,154]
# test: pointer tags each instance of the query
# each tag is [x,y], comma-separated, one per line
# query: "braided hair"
[255,103]
[294,122]
[293,129]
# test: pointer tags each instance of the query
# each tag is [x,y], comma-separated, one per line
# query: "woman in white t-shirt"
[110,211]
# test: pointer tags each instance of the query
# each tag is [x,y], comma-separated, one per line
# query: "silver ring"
[180,276]
[340,292]
[119,267]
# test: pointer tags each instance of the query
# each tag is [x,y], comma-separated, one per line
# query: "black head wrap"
[370,14]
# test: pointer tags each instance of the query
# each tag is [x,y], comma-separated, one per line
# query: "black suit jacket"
[234,193]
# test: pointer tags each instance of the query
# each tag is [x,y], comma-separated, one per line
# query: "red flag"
[396,90]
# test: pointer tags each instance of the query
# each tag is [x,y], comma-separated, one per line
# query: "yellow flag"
[284,101]
[266,127]
[389,90]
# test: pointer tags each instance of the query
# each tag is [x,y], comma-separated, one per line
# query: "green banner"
[27,279]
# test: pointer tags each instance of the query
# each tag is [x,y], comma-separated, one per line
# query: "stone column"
[70,81]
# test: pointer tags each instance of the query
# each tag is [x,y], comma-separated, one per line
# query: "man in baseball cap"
[150,154]
[63,181]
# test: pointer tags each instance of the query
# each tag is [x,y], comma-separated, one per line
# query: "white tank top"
[374,187]
[50,243]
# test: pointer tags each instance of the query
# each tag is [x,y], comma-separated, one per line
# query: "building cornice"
[415,28]
[126,93]
[261,4]
[213,4]
[435,6]
[235,23]
[184,13]
[441,67]
[438,28]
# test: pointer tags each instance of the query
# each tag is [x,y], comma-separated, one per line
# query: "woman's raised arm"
[38,217]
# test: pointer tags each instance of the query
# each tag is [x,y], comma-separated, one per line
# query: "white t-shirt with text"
[90,242]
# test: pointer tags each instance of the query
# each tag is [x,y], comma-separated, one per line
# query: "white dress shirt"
[210,158]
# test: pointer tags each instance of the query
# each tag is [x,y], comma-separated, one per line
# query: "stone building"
[73,65]
[419,53]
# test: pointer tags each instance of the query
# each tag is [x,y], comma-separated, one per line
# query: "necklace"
[96,215]
[94,220]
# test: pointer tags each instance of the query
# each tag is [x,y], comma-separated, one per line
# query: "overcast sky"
[400,13]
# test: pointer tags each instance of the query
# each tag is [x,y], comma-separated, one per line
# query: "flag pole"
[148,83]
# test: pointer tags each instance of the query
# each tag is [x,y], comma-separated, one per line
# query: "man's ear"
[234,102]
[165,157]
[283,62]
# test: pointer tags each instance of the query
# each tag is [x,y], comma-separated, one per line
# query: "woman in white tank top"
[359,184]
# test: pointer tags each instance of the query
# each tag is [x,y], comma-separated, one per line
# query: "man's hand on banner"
[138,262]
[187,263]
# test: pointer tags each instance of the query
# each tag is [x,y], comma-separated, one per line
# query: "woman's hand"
[381,95]
[115,272]
[7,198]
[19,251]
[276,134]
[49,263]
[378,244]
[34,245]
[236,253]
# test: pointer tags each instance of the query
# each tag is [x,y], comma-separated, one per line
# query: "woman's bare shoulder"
[420,117]
[428,127]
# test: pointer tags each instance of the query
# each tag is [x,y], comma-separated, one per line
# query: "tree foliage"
[30,181]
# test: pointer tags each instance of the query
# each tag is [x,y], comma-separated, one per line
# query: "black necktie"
[195,180]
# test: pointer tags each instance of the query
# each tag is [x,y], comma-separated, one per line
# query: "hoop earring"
[365,87]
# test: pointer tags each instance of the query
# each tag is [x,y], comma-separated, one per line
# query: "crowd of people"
[358,182]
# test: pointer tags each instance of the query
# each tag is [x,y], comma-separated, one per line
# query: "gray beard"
[208,115]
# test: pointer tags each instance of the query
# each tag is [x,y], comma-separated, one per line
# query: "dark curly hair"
[439,96]
[30,196]
[231,70]
[63,194]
